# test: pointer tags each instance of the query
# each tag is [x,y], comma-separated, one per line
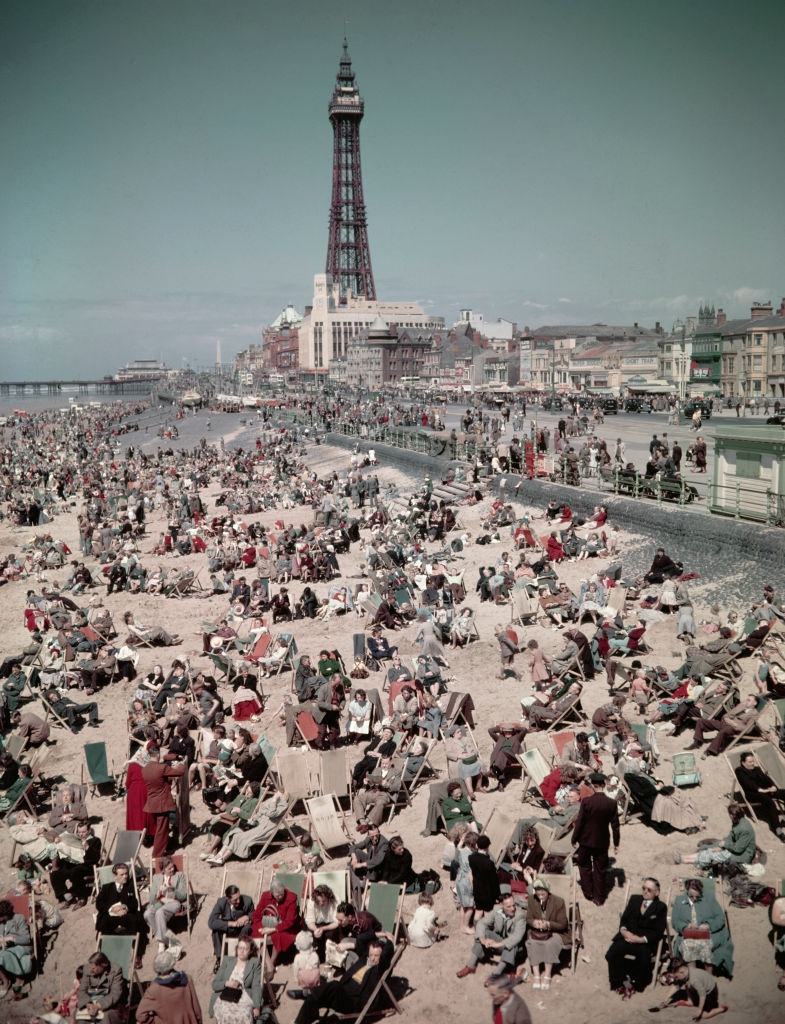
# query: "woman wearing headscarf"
[546,920]
[701,928]
[170,998]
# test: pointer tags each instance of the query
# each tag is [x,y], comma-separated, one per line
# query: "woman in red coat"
[136,818]
[553,549]
[279,903]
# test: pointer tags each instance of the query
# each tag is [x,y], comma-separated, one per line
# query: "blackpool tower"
[348,255]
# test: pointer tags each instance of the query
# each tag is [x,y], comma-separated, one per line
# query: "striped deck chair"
[535,769]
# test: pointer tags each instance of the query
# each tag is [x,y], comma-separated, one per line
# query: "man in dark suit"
[157,778]
[231,916]
[126,921]
[351,993]
[597,819]
[642,925]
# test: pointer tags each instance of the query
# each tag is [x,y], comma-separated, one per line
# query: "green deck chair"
[384,902]
[338,881]
[97,762]
[121,951]
[294,881]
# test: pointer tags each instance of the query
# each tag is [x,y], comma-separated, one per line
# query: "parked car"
[638,405]
[609,406]
[691,406]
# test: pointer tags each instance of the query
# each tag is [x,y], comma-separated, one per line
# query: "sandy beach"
[434,991]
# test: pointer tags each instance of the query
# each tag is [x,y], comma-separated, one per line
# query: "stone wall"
[719,549]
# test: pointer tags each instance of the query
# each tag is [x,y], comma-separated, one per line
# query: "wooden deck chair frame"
[627,806]
[407,788]
[749,729]
[531,762]
[565,887]
[23,798]
[239,874]
[381,986]
[327,822]
[388,890]
[129,969]
[458,713]
[283,825]
[294,881]
[573,710]
[524,609]
[181,860]
[49,711]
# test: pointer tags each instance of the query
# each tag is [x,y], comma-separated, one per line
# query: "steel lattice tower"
[348,254]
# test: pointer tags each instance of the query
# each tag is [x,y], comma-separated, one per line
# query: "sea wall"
[717,548]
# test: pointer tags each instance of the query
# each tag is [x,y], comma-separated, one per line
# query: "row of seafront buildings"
[352,341]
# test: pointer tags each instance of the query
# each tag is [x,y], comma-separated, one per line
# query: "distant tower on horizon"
[348,254]
[218,354]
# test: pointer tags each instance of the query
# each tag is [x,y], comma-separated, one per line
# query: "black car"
[776,421]
[704,407]
[552,404]
[609,406]
[637,405]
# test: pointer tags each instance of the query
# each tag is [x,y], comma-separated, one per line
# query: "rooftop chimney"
[721,318]
[760,310]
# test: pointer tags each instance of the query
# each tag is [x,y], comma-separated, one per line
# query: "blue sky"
[165,168]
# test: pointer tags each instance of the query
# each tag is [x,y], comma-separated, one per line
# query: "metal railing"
[735,500]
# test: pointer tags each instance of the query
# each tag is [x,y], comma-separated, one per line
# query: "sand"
[435,993]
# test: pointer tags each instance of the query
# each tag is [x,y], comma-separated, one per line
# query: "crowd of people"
[301,763]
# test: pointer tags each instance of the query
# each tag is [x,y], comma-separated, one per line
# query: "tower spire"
[348,253]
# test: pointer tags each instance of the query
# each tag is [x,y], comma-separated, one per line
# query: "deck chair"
[559,740]
[25,905]
[338,881]
[328,823]
[685,770]
[766,757]
[306,727]
[334,777]
[361,654]
[181,587]
[121,950]
[572,712]
[102,875]
[294,881]
[126,848]
[616,598]
[180,861]
[500,828]
[535,769]
[247,879]
[564,886]
[385,902]
[14,746]
[96,763]
[296,776]
[459,708]
[260,648]
[403,797]
[283,834]
[372,1006]
[50,713]
[22,798]
[524,608]
[751,728]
